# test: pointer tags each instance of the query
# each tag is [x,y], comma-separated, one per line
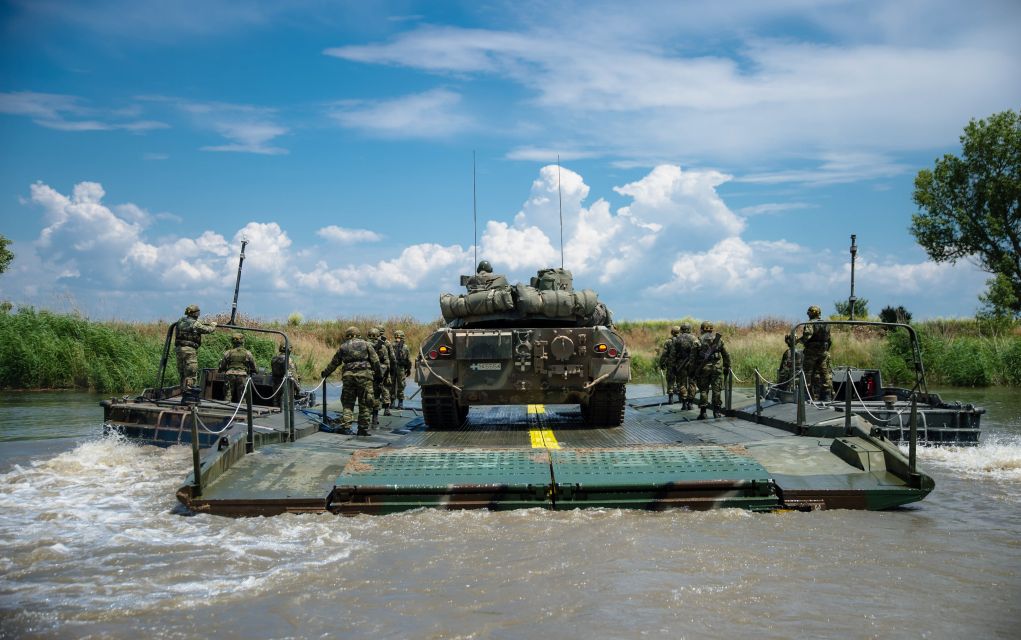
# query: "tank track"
[605,407]
[440,409]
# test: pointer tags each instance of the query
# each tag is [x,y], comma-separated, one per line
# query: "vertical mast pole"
[854,253]
[560,196]
[237,284]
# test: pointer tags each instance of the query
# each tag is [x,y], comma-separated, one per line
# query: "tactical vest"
[237,361]
[819,340]
[683,344]
[402,354]
[187,334]
[708,354]
[276,366]
[354,354]
[384,354]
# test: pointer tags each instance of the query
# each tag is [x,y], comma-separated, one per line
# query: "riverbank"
[44,350]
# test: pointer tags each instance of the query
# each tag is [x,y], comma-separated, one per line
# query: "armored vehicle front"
[540,343]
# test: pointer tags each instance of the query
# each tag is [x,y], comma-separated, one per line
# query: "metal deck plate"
[656,466]
[438,469]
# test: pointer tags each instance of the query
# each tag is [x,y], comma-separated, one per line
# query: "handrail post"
[801,400]
[758,395]
[289,402]
[250,443]
[914,433]
[324,400]
[728,393]
[196,462]
[847,401]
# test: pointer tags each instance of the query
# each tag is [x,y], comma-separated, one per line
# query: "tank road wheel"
[440,409]
[605,407]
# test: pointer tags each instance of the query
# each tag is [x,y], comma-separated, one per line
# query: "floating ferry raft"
[508,457]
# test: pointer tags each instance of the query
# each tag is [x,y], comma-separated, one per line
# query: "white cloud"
[341,235]
[247,128]
[69,113]
[432,114]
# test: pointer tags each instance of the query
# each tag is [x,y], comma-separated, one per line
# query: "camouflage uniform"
[665,364]
[188,337]
[388,365]
[685,346]
[402,355]
[360,370]
[237,363]
[816,338]
[279,366]
[785,374]
[485,279]
[712,360]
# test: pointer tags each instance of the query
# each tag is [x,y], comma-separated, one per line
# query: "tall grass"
[40,349]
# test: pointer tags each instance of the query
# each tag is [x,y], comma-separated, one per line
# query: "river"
[94,545]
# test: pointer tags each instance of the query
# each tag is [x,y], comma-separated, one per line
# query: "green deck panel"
[420,469]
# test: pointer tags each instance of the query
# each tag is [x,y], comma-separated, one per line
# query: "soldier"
[666,358]
[360,370]
[279,366]
[237,363]
[402,355]
[188,337]
[816,338]
[685,346]
[387,364]
[485,279]
[785,374]
[709,373]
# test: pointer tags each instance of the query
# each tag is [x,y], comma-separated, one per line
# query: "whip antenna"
[560,195]
[475,215]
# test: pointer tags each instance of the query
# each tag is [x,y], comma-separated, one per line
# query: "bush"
[861,308]
[899,315]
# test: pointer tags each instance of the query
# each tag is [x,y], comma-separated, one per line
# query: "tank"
[540,343]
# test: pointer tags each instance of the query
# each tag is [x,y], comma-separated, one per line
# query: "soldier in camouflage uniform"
[360,370]
[279,366]
[402,355]
[711,354]
[665,363]
[237,363]
[188,336]
[685,346]
[785,374]
[816,338]
[388,364]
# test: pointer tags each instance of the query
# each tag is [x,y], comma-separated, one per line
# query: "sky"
[706,159]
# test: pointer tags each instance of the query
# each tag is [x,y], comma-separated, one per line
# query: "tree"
[900,314]
[6,256]
[861,308]
[969,207]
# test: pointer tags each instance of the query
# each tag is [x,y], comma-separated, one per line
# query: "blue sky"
[715,157]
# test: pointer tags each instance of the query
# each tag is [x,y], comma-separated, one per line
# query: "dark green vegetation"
[861,308]
[5,254]
[971,208]
[43,350]
[39,349]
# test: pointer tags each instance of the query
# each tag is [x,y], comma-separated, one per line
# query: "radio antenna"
[475,215]
[560,196]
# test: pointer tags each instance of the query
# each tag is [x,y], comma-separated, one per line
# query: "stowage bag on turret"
[478,303]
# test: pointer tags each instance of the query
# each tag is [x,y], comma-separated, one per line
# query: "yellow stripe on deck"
[541,438]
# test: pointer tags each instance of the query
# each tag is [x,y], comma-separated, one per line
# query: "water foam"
[997,457]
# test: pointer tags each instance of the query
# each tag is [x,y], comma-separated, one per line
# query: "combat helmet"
[237,339]
[814,311]
[706,326]
[192,310]
[351,332]
[484,266]
[373,333]
[685,327]
[283,347]
[399,334]
[675,330]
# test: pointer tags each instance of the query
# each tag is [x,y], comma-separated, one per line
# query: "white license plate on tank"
[487,366]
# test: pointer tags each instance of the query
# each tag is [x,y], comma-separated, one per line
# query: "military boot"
[669,398]
[362,431]
[386,412]
[717,412]
[375,417]
[400,403]
[701,413]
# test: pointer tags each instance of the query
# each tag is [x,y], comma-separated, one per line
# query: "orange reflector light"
[444,350]
[600,348]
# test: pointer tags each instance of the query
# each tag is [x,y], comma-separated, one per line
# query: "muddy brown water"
[94,545]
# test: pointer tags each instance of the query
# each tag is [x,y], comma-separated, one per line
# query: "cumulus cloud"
[342,235]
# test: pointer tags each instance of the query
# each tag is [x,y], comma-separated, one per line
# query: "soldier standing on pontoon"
[685,346]
[187,339]
[665,363]
[403,357]
[238,364]
[387,365]
[816,338]
[360,371]
[711,354]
